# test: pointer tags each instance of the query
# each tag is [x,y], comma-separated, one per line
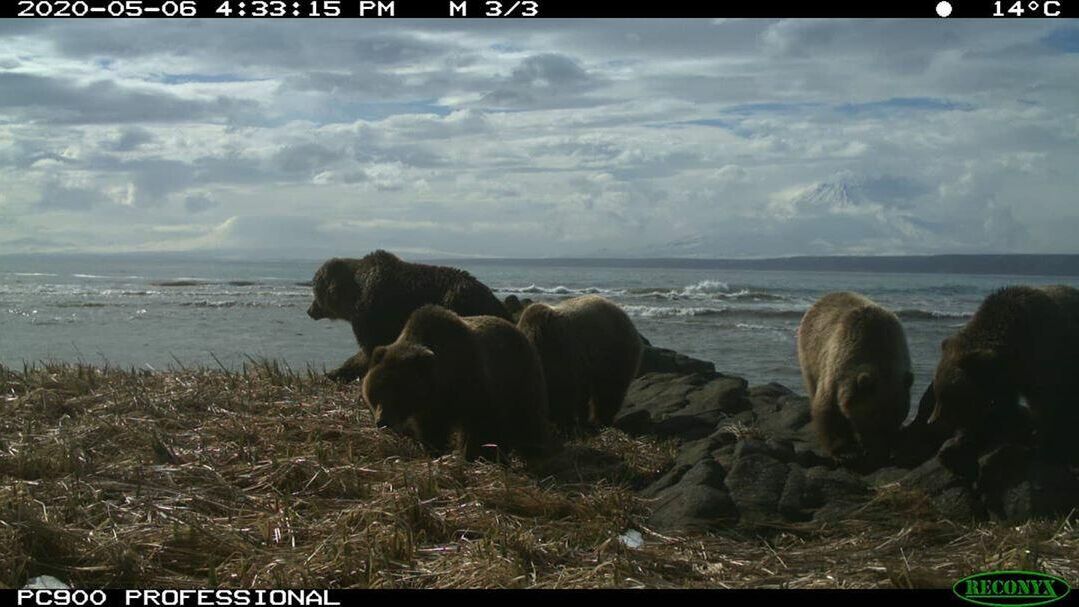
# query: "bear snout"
[315,312]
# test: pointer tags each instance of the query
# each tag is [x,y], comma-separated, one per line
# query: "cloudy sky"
[526,139]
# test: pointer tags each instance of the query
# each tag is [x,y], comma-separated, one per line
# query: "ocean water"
[158,314]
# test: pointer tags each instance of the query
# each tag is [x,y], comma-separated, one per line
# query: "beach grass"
[265,477]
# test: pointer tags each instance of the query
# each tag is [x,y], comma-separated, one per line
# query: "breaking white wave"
[671,312]
[533,289]
[931,314]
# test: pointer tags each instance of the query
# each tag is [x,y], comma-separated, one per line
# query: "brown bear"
[377,293]
[514,306]
[856,365]
[590,352]
[477,378]
[1022,342]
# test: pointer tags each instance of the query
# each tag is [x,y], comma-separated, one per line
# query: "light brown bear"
[473,378]
[590,352]
[856,365]
[1021,342]
[377,293]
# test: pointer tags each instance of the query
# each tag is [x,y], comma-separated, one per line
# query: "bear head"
[968,381]
[335,291]
[399,383]
[537,319]
[875,403]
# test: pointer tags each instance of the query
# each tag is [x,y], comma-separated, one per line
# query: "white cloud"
[721,137]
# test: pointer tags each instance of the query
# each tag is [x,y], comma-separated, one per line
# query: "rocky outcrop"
[748,456]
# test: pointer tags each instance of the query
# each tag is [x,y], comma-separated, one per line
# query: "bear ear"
[864,382]
[421,354]
[377,355]
[982,359]
[339,270]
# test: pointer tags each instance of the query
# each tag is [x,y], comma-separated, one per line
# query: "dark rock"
[824,485]
[688,427]
[774,449]
[953,495]
[669,479]
[792,501]
[662,360]
[809,456]
[933,477]
[705,472]
[687,406]
[690,457]
[756,482]
[749,455]
[1018,486]
[692,496]
[725,456]
[771,390]
[832,494]
[785,417]
[693,508]
[959,504]
[695,451]
[884,476]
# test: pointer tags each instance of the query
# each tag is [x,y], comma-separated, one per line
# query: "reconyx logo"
[1011,588]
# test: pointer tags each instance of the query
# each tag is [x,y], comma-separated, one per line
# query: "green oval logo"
[1011,588]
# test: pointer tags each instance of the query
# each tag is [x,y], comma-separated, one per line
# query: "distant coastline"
[975,264]
[1013,265]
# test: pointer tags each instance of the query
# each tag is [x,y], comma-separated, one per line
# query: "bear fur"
[590,352]
[856,366]
[377,293]
[1022,342]
[475,377]
[514,306]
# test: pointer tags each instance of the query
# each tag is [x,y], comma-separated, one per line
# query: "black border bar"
[533,9]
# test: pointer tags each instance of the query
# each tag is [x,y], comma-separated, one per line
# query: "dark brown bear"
[474,378]
[379,292]
[856,365]
[590,352]
[1022,342]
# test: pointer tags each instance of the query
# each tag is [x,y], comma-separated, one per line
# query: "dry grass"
[270,478]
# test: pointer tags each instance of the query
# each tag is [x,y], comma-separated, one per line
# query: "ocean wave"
[533,289]
[698,311]
[85,304]
[671,312]
[916,314]
[645,311]
[753,327]
[182,282]
[233,303]
[34,274]
[206,282]
[700,295]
